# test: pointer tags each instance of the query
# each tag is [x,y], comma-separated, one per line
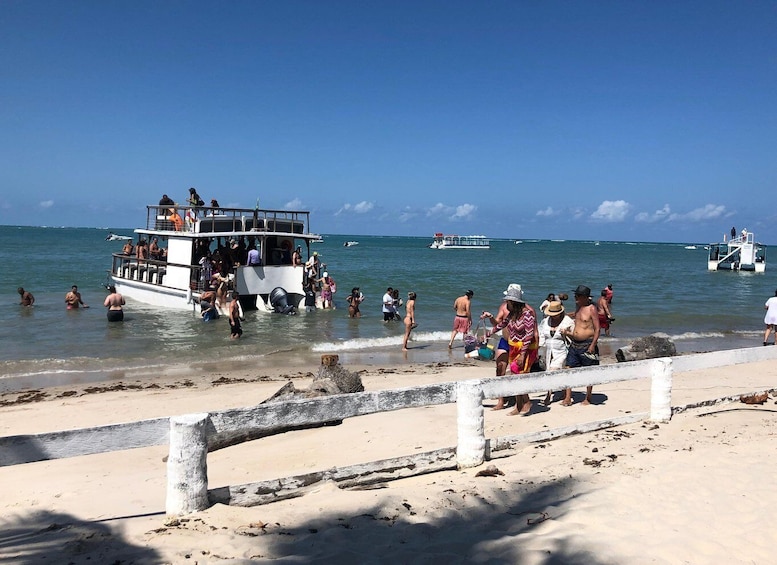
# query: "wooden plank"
[330,408]
[15,450]
[264,492]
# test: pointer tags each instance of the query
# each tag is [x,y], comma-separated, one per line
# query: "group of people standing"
[568,339]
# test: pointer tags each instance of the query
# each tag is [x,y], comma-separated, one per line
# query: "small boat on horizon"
[114,237]
[690,247]
[460,242]
[350,243]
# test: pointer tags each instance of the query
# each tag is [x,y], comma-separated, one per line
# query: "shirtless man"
[73,299]
[583,349]
[604,313]
[27,299]
[114,302]
[463,320]
[153,249]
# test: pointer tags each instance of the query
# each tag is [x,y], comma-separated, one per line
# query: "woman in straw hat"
[552,329]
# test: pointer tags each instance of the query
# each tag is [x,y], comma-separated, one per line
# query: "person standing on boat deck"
[26,297]
[176,220]
[354,300]
[73,299]
[583,349]
[114,302]
[388,305]
[604,313]
[733,233]
[463,320]
[771,318]
[128,248]
[194,199]
[253,256]
[296,257]
[410,324]
[153,249]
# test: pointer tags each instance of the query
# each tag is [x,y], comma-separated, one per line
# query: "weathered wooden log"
[648,347]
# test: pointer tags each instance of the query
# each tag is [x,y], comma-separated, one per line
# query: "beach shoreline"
[562,498]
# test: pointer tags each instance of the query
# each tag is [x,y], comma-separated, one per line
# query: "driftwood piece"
[648,347]
[331,379]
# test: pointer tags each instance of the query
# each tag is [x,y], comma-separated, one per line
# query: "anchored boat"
[176,275]
[741,253]
[460,242]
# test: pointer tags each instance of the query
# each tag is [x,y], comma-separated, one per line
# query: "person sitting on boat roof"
[166,201]
[214,204]
[176,220]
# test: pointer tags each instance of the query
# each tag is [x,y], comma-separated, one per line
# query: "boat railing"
[146,270]
[206,219]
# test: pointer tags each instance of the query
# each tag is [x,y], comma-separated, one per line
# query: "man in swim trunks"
[27,299]
[73,299]
[463,320]
[583,349]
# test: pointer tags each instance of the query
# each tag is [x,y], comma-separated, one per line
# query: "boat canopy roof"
[210,222]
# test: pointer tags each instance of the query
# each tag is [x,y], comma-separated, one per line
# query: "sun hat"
[512,286]
[514,293]
[554,308]
[582,290]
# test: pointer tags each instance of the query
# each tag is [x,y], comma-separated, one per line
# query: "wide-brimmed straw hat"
[514,293]
[554,308]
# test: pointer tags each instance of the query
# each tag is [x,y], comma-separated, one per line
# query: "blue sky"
[632,121]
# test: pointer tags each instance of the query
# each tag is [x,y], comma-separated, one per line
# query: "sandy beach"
[694,490]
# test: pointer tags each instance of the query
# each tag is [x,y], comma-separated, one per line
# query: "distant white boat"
[350,243]
[518,241]
[742,253]
[460,242]
[596,243]
[114,237]
[690,247]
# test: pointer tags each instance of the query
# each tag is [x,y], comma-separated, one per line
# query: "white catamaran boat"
[741,253]
[460,242]
[179,275]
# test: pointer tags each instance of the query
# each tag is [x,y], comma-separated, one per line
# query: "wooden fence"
[190,436]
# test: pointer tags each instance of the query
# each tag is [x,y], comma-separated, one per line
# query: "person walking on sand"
[523,339]
[410,324]
[502,348]
[26,297]
[114,302]
[73,299]
[583,349]
[463,320]
[771,318]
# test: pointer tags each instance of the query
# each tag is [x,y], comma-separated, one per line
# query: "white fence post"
[187,465]
[661,390]
[471,446]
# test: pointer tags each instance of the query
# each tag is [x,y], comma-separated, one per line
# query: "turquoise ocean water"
[658,288]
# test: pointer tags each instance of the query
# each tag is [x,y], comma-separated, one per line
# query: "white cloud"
[612,211]
[295,204]
[547,212]
[439,209]
[464,211]
[708,212]
[46,204]
[662,214]
[360,208]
